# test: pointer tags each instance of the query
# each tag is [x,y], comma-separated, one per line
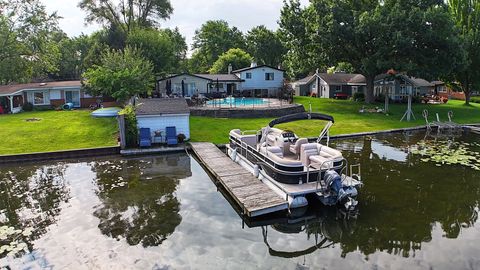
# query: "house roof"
[416,82]
[304,80]
[261,66]
[342,78]
[220,77]
[159,106]
[209,77]
[10,89]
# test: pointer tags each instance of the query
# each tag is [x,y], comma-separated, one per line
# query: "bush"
[28,107]
[131,131]
[359,96]
[475,99]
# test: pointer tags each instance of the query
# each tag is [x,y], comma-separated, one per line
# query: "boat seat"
[295,148]
[275,150]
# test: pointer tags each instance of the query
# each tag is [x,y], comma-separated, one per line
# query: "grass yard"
[56,130]
[347,119]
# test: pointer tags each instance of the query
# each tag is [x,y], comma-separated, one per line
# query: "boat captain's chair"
[295,148]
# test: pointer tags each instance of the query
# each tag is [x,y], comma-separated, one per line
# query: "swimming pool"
[238,102]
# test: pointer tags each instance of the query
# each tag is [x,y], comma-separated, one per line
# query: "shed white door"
[160,122]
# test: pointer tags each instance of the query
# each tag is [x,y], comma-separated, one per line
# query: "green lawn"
[56,130]
[347,119]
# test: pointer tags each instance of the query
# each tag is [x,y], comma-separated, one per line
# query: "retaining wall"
[266,112]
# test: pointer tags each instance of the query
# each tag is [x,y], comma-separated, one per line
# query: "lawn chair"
[171,136]
[145,137]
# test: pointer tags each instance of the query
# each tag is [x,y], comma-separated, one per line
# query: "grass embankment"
[55,131]
[347,119]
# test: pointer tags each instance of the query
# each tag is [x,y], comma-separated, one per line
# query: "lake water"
[164,212]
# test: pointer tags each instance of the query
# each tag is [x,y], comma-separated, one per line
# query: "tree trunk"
[467,95]
[369,98]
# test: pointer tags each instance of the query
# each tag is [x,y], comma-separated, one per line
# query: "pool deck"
[253,196]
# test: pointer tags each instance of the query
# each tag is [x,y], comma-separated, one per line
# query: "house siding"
[200,85]
[160,122]
[257,81]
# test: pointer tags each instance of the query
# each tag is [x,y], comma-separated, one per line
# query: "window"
[443,89]
[39,98]
[248,75]
[269,76]
[214,86]
[338,88]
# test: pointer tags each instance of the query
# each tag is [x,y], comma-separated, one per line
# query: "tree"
[296,39]
[121,75]
[265,46]
[73,60]
[27,46]
[416,37]
[466,14]
[341,67]
[212,40]
[127,14]
[238,58]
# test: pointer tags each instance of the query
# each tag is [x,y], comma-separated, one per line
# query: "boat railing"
[249,132]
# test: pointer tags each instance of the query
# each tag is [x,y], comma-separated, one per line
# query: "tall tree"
[162,47]
[121,75]
[265,46]
[238,58]
[212,40]
[466,14]
[27,46]
[126,14]
[416,37]
[296,38]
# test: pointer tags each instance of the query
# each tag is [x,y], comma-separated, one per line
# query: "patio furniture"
[145,137]
[171,136]
[158,137]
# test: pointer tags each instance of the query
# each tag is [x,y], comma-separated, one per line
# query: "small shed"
[159,113]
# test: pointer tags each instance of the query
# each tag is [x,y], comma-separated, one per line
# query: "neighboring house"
[253,78]
[159,113]
[12,97]
[441,89]
[194,84]
[334,85]
[400,86]
[260,78]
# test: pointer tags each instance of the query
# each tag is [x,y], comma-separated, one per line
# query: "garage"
[159,113]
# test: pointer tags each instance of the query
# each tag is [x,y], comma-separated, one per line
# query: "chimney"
[230,68]
[254,64]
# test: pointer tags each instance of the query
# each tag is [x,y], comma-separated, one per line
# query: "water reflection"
[403,199]
[30,198]
[138,197]
[165,212]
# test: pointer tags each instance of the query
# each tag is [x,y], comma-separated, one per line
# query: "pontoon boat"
[295,167]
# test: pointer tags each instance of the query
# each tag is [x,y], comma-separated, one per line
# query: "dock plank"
[251,194]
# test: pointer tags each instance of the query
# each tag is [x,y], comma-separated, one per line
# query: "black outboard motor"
[344,195]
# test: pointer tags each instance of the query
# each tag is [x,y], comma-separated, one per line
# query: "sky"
[188,15]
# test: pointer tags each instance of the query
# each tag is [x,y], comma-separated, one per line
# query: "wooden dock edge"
[251,213]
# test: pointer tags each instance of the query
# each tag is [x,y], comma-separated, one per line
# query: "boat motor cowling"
[334,182]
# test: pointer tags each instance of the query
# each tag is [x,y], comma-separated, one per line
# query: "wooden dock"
[253,196]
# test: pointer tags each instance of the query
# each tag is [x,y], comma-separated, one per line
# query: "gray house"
[400,86]
[325,85]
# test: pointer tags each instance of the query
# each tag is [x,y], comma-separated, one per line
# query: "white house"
[51,94]
[326,85]
[159,113]
[252,78]
[260,78]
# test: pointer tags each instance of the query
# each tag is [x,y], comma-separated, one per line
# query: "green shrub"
[28,107]
[131,130]
[359,96]
[475,99]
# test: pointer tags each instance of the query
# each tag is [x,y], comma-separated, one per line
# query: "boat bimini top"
[298,117]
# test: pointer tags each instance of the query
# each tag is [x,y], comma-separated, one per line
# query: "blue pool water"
[237,102]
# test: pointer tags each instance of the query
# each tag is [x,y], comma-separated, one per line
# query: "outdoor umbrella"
[169,87]
[183,88]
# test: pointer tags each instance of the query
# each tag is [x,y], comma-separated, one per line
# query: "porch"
[11,103]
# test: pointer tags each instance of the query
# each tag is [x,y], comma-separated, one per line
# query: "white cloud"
[188,15]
